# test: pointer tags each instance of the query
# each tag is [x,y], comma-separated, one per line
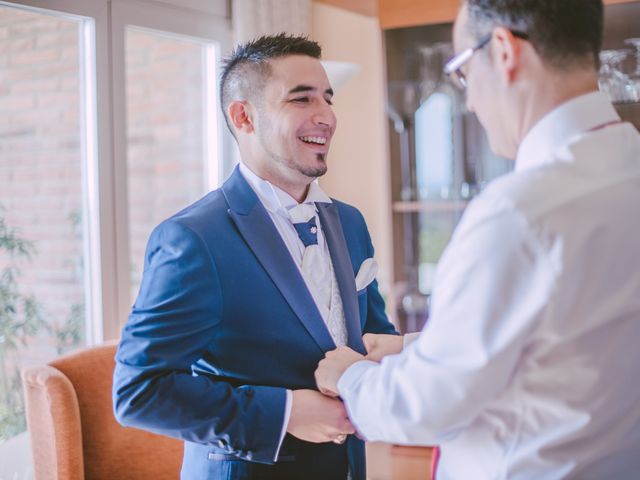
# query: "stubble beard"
[312,172]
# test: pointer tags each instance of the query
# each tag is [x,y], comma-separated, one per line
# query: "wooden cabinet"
[410,13]
[439,154]
[411,27]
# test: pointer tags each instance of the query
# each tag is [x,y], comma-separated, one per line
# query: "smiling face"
[293,122]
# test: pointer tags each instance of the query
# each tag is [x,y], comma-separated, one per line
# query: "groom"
[244,291]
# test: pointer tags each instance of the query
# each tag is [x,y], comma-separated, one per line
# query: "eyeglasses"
[453,68]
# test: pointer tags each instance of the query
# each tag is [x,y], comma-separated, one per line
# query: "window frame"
[105,178]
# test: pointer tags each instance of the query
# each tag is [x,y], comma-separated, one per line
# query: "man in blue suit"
[244,291]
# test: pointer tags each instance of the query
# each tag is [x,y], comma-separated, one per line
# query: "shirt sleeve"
[176,314]
[492,287]
[287,414]
[409,338]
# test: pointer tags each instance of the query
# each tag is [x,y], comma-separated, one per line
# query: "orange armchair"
[74,435]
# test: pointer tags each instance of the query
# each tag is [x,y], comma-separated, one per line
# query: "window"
[45,291]
[167,143]
[108,123]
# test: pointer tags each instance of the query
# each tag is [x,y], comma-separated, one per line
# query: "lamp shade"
[339,72]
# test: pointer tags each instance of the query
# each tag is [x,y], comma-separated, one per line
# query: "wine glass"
[432,60]
[636,43]
[636,75]
[403,99]
[612,81]
[402,102]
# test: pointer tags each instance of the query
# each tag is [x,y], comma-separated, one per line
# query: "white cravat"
[279,204]
[318,274]
[315,268]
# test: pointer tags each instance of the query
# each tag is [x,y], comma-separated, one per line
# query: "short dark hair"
[246,69]
[565,33]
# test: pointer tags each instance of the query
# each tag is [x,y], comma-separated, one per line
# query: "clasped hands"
[337,361]
[321,417]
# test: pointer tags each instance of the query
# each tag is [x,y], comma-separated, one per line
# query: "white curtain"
[252,18]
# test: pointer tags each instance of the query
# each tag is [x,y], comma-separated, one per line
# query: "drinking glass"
[635,76]
[617,85]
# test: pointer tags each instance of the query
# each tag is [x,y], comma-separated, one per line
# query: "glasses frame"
[453,68]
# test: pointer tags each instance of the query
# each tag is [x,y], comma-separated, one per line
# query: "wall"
[358,162]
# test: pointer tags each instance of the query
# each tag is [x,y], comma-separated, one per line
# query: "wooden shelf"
[411,13]
[615,2]
[441,206]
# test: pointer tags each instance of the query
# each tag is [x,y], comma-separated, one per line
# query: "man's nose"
[324,115]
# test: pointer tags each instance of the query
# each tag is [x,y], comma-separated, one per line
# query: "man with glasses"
[528,365]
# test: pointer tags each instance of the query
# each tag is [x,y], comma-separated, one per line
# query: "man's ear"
[240,115]
[506,52]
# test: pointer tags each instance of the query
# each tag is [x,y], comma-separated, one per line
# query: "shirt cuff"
[409,338]
[349,380]
[352,374]
[285,423]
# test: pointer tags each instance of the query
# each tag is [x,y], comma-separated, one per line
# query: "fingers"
[318,418]
[336,420]
[369,340]
[348,428]
[343,427]
[331,368]
[381,345]
[328,392]
[323,381]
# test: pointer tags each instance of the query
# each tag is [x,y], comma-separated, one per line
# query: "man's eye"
[301,100]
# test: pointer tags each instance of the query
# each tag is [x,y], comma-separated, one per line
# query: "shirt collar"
[574,117]
[275,199]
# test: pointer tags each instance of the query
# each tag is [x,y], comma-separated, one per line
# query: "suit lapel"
[257,229]
[332,229]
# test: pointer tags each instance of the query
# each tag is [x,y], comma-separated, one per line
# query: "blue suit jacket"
[224,324]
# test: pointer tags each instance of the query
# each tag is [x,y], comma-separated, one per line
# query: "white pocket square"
[366,274]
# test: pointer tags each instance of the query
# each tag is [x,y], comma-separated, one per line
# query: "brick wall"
[41,161]
[40,158]
[164,124]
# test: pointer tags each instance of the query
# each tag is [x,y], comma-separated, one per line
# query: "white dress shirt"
[278,203]
[528,366]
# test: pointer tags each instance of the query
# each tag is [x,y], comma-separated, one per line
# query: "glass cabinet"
[440,157]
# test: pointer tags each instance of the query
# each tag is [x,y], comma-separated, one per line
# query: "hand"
[318,418]
[332,367]
[380,345]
